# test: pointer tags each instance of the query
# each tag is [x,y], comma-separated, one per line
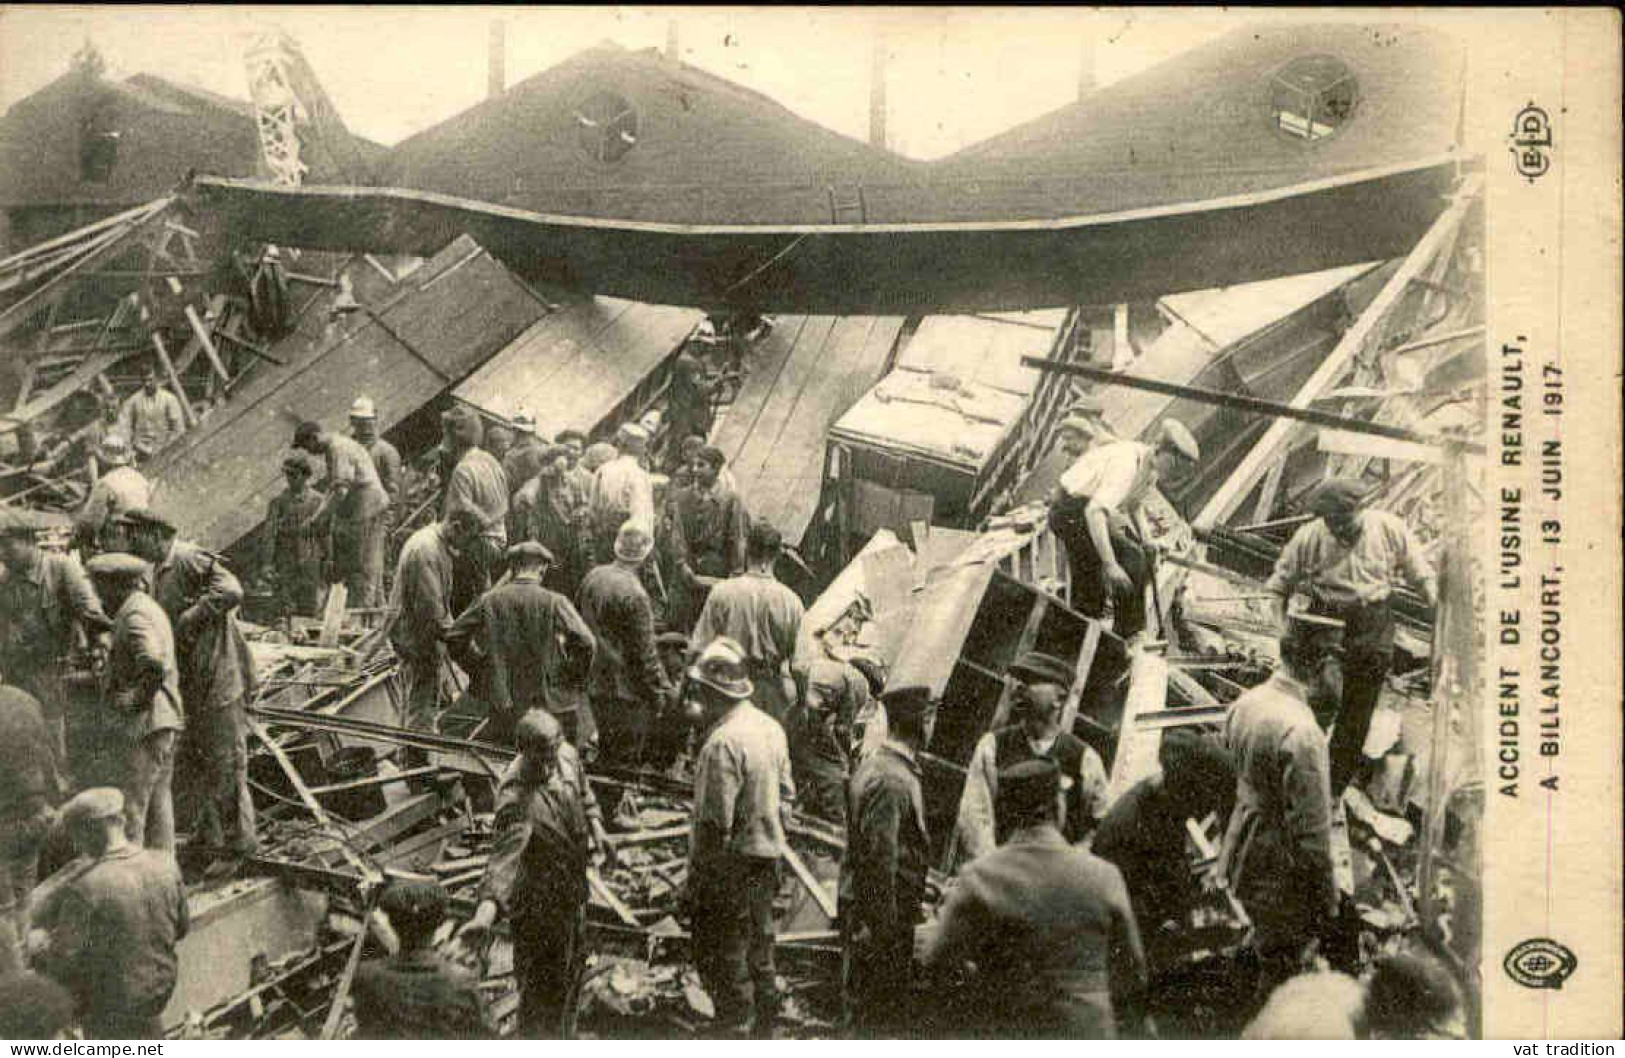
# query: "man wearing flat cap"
[742,788]
[528,644]
[1349,562]
[1056,911]
[1037,702]
[627,688]
[549,832]
[353,507]
[294,548]
[113,928]
[141,688]
[44,599]
[201,597]
[415,994]
[882,882]
[1095,510]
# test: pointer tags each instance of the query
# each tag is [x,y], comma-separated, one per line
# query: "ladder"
[847,206]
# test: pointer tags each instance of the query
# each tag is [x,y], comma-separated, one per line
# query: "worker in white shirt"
[1095,511]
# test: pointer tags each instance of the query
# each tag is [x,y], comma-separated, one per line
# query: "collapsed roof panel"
[434,327]
[575,366]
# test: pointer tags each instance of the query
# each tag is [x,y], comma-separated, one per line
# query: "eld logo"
[1531,142]
[1540,963]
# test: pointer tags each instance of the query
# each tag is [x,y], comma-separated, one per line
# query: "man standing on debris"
[524,460]
[1037,702]
[627,688]
[1047,924]
[688,402]
[201,597]
[551,509]
[883,873]
[294,549]
[533,646]
[763,616]
[478,486]
[354,508]
[622,491]
[386,460]
[713,528]
[548,836]
[113,929]
[420,611]
[820,730]
[1095,511]
[151,418]
[43,599]
[415,994]
[742,785]
[120,488]
[143,695]
[1144,833]
[1350,562]
[29,787]
[1277,853]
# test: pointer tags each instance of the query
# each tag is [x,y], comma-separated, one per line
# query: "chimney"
[672,53]
[877,92]
[1086,68]
[496,77]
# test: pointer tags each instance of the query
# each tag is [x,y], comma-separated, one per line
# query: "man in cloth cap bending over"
[1350,561]
[1095,511]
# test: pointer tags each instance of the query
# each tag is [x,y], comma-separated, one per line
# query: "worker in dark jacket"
[113,929]
[820,728]
[294,548]
[201,597]
[1144,833]
[530,644]
[1039,701]
[883,873]
[688,399]
[415,994]
[711,525]
[551,509]
[1047,925]
[44,599]
[421,614]
[142,691]
[29,787]
[524,460]
[548,835]
[627,688]
[1277,852]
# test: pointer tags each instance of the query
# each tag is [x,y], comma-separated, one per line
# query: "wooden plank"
[179,390]
[1137,746]
[826,902]
[1080,672]
[333,614]
[1268,449]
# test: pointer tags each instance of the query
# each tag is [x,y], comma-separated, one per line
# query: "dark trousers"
[549,951]
[624,726]
[1089,592]
[875,983]
[214,758]
[1368,635]
[733,941]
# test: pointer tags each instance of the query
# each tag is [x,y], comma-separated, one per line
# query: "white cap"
[363,409]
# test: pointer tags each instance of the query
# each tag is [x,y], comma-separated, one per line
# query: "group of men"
[119,674]
[600,609]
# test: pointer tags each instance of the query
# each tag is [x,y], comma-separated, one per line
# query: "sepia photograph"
[622,523]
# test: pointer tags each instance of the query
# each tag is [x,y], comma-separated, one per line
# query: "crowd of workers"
[600,610]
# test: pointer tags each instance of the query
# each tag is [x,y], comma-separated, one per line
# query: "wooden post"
[202,334]
[1269,448]
[174,380]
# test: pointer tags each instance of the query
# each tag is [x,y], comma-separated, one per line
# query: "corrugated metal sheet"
[440,322]
[800,381]
[574,366]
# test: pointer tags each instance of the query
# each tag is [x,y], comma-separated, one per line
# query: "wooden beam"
[174,380]
[1224,503]
[809,881]
[1080,673]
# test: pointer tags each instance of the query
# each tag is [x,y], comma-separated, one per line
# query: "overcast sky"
[957,75]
